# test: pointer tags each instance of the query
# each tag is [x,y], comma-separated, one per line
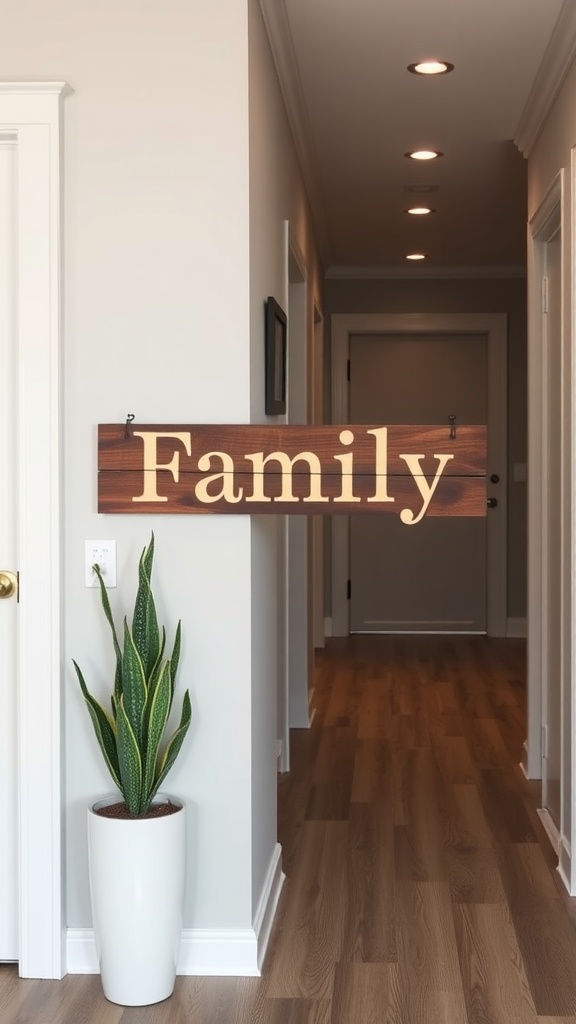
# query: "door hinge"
[348,369]
[544,294]
[544,742]
[349,589]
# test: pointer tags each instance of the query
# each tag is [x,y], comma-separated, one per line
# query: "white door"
[430,577]
[8,606]
[553,499]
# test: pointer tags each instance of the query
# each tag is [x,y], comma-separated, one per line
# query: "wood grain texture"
[421,888]
[254,469]
[495,984]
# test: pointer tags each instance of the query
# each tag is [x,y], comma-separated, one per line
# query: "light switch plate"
[102,553]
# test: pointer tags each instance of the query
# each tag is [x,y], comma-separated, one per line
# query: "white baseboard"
[565,865]
[550,828]
[516,628]
[327,627]
[268,904]
[81,955]
[235,952]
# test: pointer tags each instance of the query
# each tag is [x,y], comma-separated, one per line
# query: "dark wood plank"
[495,984]
[326,470]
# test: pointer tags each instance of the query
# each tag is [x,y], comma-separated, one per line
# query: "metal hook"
[129,419]
[452,422]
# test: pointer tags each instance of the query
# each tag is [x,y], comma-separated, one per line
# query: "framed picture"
[275,357]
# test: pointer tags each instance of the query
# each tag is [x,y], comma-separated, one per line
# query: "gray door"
[430,577]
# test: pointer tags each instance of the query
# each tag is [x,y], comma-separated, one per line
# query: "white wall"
[160,321]
[277,195]
[554,151]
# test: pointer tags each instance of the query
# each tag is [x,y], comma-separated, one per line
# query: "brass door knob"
[8,583]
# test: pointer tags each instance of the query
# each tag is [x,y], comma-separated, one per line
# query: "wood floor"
[420,885]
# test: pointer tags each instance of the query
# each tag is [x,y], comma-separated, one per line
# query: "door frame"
[30,113]
[299,650]
[494,326]
[546,221]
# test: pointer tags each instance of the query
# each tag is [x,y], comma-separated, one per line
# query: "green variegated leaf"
[107,610]
[157,719]
[152,683]
[145,621]
[174,745]
[154,675]
[134,685]
[130,761]
[117,651]
[175,658]
[104,728]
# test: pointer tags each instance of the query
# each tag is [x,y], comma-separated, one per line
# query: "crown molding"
[281,44]
[35,88]
[356,273]
[558,57]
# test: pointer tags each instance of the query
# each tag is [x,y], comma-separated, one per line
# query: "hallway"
[420,885]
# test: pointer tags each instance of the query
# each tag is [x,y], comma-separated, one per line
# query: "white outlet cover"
[103,553]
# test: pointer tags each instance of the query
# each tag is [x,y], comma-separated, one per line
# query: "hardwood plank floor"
[421,888]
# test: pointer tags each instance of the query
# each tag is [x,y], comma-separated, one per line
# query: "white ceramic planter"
[137,875]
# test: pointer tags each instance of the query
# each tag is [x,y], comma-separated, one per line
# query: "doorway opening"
[493,327]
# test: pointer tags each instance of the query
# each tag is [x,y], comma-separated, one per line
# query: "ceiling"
[355,111]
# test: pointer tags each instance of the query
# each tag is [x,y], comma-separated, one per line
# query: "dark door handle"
[492,502]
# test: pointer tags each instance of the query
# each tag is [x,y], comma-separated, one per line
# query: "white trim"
[34,90]
[328,627]
[32,112]
[549,828]
[517,627]
[81,956]
[539,229]
[299,634]
[555,65]
[565,865]
[203,952]
[464,273]
[494,325]
[268,904]
[234,952]
[570,583]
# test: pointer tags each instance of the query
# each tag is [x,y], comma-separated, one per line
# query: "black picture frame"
[275,334]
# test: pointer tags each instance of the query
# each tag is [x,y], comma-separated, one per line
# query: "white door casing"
[494,326]
[551,384]
[553,680]
[30,113]
[299,632]
[8,607]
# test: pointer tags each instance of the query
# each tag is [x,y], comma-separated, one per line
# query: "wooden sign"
[409,471]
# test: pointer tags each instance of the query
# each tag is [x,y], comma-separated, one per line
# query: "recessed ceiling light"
[417,256]
[431,67]
[424,154]
[420,211]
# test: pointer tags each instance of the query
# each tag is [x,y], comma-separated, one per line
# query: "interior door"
[430,577]
[8,605]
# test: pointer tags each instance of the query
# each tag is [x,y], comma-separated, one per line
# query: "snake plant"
[130,736]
